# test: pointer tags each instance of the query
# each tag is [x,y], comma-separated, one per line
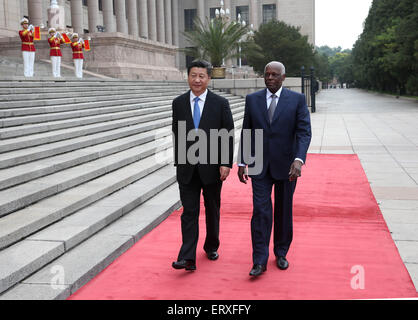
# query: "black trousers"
[190,198]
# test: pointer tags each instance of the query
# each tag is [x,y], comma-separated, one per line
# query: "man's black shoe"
[257,270]
[212,255]
[282,263]
[184,264]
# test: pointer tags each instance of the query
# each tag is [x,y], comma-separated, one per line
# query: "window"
[212,14]
[84,2]
[269,12]
[189,16]
[244,12]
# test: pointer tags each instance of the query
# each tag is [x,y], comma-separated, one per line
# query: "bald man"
[284,119]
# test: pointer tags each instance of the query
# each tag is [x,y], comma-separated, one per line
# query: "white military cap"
[24,20]
[52,30]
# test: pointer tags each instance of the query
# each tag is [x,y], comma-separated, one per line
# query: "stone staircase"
[85,171]
[13,67]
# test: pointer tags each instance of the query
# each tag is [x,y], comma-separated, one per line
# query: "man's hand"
[242,174]
[295,170]
[224,171]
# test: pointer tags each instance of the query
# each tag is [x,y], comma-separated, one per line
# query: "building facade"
[155,24]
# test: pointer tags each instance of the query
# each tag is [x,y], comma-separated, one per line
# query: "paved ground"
[383,132]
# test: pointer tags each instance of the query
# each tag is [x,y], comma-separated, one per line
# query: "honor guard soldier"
[28,48]
[55,40]
[77,45]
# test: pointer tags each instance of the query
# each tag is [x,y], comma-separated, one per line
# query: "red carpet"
[337,226]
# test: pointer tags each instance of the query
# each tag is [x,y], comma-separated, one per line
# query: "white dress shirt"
[202,99]
[269,94]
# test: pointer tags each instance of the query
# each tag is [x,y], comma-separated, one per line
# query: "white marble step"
[20,196]
[35,252]
[88,259]
[29,137]
[28,220]
[15,175]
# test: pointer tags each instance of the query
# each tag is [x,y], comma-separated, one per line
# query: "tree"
[277,41]
[341,66]
[385,56]
[322,67]
[215,40]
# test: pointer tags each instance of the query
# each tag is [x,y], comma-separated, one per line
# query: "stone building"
[136,39]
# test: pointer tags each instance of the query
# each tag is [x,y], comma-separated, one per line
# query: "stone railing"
[242,87]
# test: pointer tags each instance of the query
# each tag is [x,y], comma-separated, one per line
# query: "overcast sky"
[339,22]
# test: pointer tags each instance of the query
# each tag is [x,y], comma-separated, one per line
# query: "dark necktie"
[196,113]
[272,107]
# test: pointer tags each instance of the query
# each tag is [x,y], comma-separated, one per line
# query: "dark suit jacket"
[286,138]
[216,115]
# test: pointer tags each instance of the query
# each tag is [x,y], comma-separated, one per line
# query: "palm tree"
[215,40]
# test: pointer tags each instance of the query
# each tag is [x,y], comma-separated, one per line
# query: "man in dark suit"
[198,113]
[284,119]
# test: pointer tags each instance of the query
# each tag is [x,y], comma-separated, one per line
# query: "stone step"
[72,100]
[146,101]
[28,154]
[63,134]
[17,157]
[23,195]
[19,116]
[84,90]
[84,262]
[15,175]
[33,106]
[24,130]
[14,138]
[65,86]
[92,92]
[74,229]
[26,221]
[84,82]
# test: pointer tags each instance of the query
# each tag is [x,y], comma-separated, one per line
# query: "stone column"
[201,10]
[176,34]
[160,21]
[56,17]
[93,13]
[228,5]
[121,16]
[77,16]
[132,18]
[143,18]
[175,20]
[254,13]
[35,12]
[108,16]
[168,22]
[152,20]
